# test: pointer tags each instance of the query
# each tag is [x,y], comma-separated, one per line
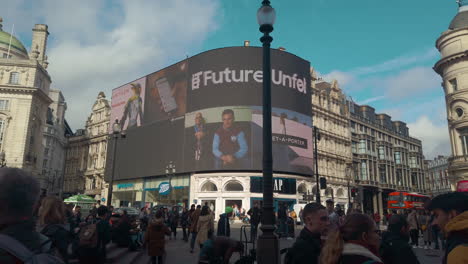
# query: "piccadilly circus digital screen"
[205,114]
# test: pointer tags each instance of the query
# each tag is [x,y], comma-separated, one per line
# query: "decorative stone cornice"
[454,58]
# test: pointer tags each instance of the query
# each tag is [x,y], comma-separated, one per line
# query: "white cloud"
[343,78]
[434,137]
[99,45]
[371,100]
[411,82]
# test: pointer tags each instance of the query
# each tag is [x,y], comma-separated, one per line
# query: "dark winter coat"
[224,228]
[25,233]
[306,249]
[184,219]
[60,237]
[395,249]
[155,237]
[194,220]
[357,254]
[255,215]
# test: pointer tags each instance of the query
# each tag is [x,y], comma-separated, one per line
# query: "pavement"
[178,251]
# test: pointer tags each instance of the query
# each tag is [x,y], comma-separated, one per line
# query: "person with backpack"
[355,242]
[154,240]
[52,224]
[306,249]
[19,241]
[451,216]
[93,239]
[395,248]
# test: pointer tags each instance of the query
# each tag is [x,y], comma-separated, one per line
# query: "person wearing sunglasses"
[307,247]
[356,241]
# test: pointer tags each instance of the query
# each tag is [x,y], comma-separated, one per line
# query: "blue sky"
[381,52]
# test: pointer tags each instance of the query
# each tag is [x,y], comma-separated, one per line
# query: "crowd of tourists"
[36,229]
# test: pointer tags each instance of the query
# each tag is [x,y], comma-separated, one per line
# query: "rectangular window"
[44,163]
[362,146]
[363,170]
[4,105]
[454,84]
[14,78]
[381,152]
[383,174]
[464,140]
[397,157]
[46,151]
[399,177]
[6,56]
[413,162]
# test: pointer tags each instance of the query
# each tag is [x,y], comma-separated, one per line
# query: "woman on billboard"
[200,140]
[133,108]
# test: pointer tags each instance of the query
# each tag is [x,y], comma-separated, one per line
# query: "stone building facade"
[331,117]
[452,67]
[86,154]
[24,101]
[438,180]
[385,157]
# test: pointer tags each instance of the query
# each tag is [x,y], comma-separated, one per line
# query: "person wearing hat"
[224,228]
[133,110]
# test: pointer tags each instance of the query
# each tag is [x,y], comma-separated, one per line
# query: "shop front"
[284,192]
[127,194]
[167,191]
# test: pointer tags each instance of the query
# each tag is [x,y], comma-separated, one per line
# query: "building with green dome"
[32,120]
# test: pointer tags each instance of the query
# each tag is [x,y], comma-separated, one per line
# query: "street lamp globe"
[266,17]
[116,127]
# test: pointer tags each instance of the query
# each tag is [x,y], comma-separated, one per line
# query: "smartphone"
[168,101]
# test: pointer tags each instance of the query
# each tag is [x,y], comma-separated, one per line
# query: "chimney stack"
[246,43]
[281,48]
[39,41]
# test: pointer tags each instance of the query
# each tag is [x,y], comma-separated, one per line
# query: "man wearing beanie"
[224,228]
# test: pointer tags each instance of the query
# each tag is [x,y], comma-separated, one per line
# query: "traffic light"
[354,192]
[323,183]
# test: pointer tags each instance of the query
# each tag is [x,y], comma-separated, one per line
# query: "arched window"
[302,188]
[209,187]
[234,186]
[340,192]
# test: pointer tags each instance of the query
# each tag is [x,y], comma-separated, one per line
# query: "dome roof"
[460,20]
[15,45]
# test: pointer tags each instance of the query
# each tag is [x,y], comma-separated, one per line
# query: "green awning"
[80,198]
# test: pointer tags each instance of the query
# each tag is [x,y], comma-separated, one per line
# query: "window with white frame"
[14,78]
[4,104]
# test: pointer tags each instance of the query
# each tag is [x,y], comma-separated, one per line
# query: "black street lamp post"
[116,132]
[316,138]
[268,248]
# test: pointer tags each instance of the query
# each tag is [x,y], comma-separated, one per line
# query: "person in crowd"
[19,195]
[377,219]
[166,215]
[121,231]
[413,228]
[224,228]
[293,215]
[255,218]
[154,240]
[451,215]
[334,218]
[283,220]
[229,144]
[300,216]
[424,219]
[97,254]
[77,214]
[144,221]
[194,217]
[395,248]
[356,241]
[436,234]
[52,223]
[306,249]
[174,221]
[204,225]
[218,249]
[184,223]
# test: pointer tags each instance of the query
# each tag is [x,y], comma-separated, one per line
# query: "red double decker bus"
[405,200]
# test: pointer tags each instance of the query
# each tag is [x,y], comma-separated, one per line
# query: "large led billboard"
[205,114]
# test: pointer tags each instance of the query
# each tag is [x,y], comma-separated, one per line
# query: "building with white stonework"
[453,68]
[331,117]
[55,142]
[86,153]
[438,179]
[24,101]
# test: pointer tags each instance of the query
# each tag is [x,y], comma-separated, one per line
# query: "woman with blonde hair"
[355,242]
[52,223]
